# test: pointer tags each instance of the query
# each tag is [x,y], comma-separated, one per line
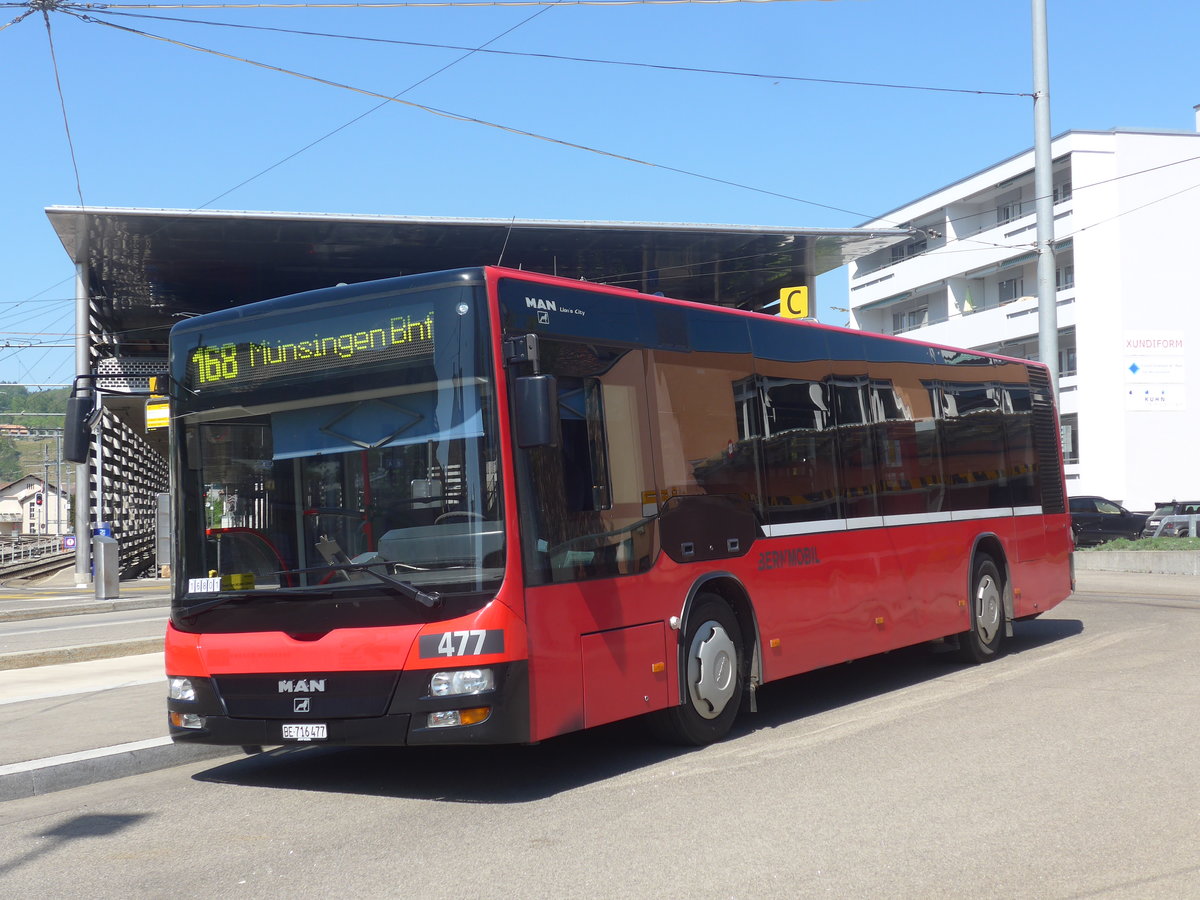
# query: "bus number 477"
[462,643]
[447,646]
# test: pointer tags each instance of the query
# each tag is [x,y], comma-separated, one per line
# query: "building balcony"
[962,253]
[992,325]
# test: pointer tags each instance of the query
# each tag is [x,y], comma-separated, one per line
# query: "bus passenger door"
[596,632]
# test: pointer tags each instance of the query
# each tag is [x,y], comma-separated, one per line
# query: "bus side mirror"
[535,408]
[77,428]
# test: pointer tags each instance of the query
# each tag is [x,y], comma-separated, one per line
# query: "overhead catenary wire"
[475,120]
[1021,245]
[462,117]
[695,70]
[567,2]
[386,100]
[483,48]
[973,240]
[1077,189]
[63,105]
[19,18]
[98,7]
[1126,212]
[441,3]
[465,55]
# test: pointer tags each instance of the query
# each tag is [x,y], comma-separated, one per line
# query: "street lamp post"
[1043,189]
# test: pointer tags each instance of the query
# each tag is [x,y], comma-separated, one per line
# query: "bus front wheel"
[713,677]
[982,640]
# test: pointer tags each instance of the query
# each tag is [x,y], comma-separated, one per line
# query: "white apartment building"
[1127,232]
[21,513]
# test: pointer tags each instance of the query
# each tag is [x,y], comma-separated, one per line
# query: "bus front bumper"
[393,709]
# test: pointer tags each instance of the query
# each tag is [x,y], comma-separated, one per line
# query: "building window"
[901,252]
[1011,289]
[1062,191]
[1069,426]
[1067,364]
[909,320]
[1007,212]
[1064,277]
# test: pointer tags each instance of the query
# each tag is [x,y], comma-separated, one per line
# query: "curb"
[72,770]
[1141,562]
[52,656]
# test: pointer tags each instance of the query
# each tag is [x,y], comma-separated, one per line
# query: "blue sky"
[156,125]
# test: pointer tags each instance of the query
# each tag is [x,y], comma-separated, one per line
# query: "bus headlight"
[186,720]
[462,681]
[181,689]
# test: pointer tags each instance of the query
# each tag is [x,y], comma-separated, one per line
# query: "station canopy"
[146,269]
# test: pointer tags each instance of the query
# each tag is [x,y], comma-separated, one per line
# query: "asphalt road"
[69,631]
[1065,769]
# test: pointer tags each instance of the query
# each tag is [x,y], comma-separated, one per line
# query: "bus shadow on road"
[813,693]
[523,774]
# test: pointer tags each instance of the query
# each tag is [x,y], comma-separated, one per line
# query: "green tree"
[10,460]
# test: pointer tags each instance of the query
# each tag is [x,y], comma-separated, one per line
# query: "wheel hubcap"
[712,673]
[988,609]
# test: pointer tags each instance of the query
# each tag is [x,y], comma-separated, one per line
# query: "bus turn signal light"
[452,717]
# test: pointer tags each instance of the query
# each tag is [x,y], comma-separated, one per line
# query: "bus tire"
[713,675]
[982,641]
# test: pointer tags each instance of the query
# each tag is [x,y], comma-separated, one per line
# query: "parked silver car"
[1172,519]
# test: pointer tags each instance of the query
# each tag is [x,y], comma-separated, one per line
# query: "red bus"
[489,506]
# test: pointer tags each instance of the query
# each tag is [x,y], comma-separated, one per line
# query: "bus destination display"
[239,364]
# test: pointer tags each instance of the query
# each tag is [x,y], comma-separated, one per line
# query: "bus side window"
[909,453]
[707,425]
[1018,441]
[586,482]
[973,446]
[856,450]
[799,452]
[583,513]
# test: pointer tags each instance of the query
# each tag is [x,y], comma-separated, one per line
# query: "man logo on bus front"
[302,686]
[302,704]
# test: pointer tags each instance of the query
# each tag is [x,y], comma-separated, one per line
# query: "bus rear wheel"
[983,639]
[713,677]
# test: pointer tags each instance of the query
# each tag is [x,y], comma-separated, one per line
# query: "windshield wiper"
[428,599]
[283,593]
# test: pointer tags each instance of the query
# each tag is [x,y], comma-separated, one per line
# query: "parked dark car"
[1096,520]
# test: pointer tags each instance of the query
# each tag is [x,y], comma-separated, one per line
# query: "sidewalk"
[58,595]
[74,715]
[69,723]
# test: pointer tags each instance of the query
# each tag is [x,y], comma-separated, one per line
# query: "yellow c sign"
[793,302]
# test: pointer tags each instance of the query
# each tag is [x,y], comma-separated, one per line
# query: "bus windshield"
[352,470]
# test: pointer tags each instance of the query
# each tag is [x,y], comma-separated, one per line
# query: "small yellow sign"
[158,414]
[793,302]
